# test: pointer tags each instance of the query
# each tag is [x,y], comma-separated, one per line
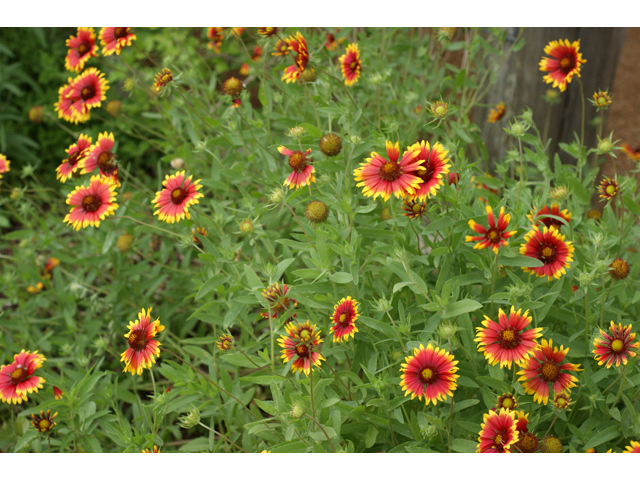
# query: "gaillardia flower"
[225,342]
[300,346]
[496,113]
[81,48]
[4,164]
[550,248]
[142,346]
[350,65]
[300,163]
[76,152]
[43,422]
[413,209]
[507,401]
[114,39]
[545,367]
[507,341]
[601,99]
[298,44]
[178,195]
[88,92]
[630,152]
[268,31]
[17,378]
[101,156]
[550,444]
[615,347]
[608,188]
[496,235]
[619,269]
[91,204]
[382,177]
[281,48]
[155,450]
[64,103]
[498,432]
[429,373]
[564,64]
[562,400]
[278,300]
[345,314]
[434,166]
[57,393]
[539,217]
[163,78]
[633,448]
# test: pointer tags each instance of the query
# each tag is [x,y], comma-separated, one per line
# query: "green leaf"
[631,204]
[497,385]
[457,406]
[341,277]
[252,279]
[313,131]
[209,285]
[231,315]
[25,439]
[606,435]
[520,261]
[440,225]
[461,306]
[378,325]
[461,445]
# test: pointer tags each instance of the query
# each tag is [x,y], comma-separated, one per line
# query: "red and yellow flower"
[57,393]
[17,379]
[91,204]
[549,247]
[498,433]
[545,367]
[88,92]
[540,217]
[81,48]
[350,65]
[44,421]
[429,373]
[155,450]
[281,48]
[50,265]
[615,347]
[101,156]
[215,35]
[507,341]
[163,78]
[562,400]
[64,103]
[75,154]
[278,300]
[564,64]
[225,342]
[633,448]
[331,43]
[301,346]
[345,314]
[297,44]
[434,167]
[302,170]
[507,401]
[496,113]
[496,235]
[142,346]
[114,39]
[382,177]
[413,209]
[178,195]
[608,188]
[4,164]
[268,31]
[630,152]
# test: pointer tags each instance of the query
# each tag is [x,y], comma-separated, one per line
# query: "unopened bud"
[297,411]
[177,163]
[124,243]
[191,419]
[113,107]
[36,113]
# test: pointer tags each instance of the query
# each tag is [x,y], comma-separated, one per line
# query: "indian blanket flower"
[114,39]
[439,109]
[498,433]
[429,373]
[507,401]
[601,99]
[382,177]
[163,78]
[413,209]
[178,195]
[81,48]
[633,448]
[44,421]
[4,164]
[215,35]
[155,450]
[434,166]
[345,314]
[350,65]
[50,265]
[331,43]
[278,300]
[549,247]
[297,44]
[545,367]
[17,379]
[268,31]
[88,92]
[608,188]
[507,341]
[496,235]
[65,100]
[281,48]
[91,204]
[564,64]
[562,400]
[619,269]
[225,342]
[301,346]
[75,153]
[257,53]
[496,113]
[57,393]
[302,170]
[142,346]
[630,152]
[616,346]
[539,217]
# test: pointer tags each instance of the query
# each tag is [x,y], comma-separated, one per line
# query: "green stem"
[521,174]
[222,436]
[586,313]
[323,431]
[624,378]
[450,416]
[554,421]
[145,224]
[300,223]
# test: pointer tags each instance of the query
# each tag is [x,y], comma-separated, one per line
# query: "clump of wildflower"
[330,144]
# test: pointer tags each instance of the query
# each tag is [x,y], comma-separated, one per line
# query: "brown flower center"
[547,253]
[390,171]
[107,162]
[567,64]
[178,196]
[88,92]
[19,375]
[498,440]
[617,345]
[428,376]
[509,339]
[302,350]
[91,203]
[344,319]
[120,32]
[138,340]
[426,171]
[550,372]
[74,158]
[353,65]
[298,161]
[83,48]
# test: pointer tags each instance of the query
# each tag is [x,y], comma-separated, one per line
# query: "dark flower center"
[88,92]
[498,440]
[302,350]
[390,171]
[550,372]
[298,161]
[107,162]
[567,64]
[83,48]
[344,319]
[426,171]
[428,376]
[417,208]
[120,32]
[509,339]
[494,235]
[74,158]
[178,196]
[91,203]
[19,375]
[547,253]
[353,65]
[137,340]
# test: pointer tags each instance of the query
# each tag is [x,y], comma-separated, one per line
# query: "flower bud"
[446,331]
[124,242]
[36,113]
[517,129]
[296,132]
[308,75]
[447,32]
[330,144]
[246,226]
[191,419]
[277,195]
[296,410]
[129,83]
[428,431]
[454,178]
[605,145]
[559,193]
[113,107]
[440,109]
[177,163]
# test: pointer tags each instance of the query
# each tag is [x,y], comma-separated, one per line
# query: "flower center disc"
[428,376]
[106,161]
[74,158]
[353,65]
[561,402]
[507,403]
[19,375]
[547,252]
[298,161]
[417,208]
[120,32]
[617,346]
[508,339]
[304,334]
[550,372]
[601,101]
[390,171]
[88,92]
[44,424]
[344,319]
[426,171]
[611,190]
[83,48]
[137,340]
[498,440]
[493,235]
[91,203]
[178,196]
[567,64]
[302,350]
